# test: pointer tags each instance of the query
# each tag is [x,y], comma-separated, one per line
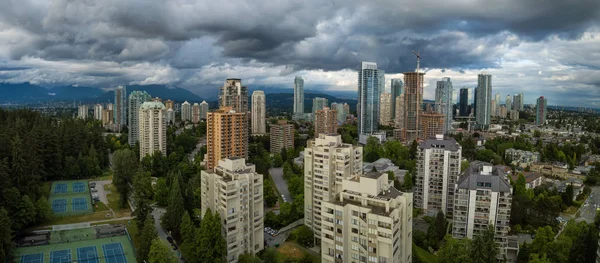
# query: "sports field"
[70,198]
[80,246]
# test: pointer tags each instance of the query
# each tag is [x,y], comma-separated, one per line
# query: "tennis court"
[80,204]
[59,205]
[114,253]
[87,254]
[70,198]
[33,258]
[78,187]
[60,188]
[82,245]
[60,256]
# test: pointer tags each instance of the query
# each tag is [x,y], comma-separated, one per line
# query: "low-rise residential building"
[532,179]
[369,221]
[384,165]
[235,191]
[521,158]
[483,198]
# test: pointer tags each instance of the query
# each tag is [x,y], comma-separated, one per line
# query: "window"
[354,221]
[338,213]
[372,259]
[354,247]
[339,239]
[340,248]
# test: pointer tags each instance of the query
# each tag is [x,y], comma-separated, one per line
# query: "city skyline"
[546,56]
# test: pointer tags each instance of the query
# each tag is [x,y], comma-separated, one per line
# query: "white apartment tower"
[258,113]
[327,161]
[196,113]
[170,116]
[483,197]
[385,109]
[368,221]
[438,168]
[235,191]
[203,109]
[98,112]
[186,111]
[152,128]
[82,111]
[233,94]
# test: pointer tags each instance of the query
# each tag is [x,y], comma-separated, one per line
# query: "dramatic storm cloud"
[539,47]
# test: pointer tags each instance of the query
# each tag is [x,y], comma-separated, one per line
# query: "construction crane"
[418,54]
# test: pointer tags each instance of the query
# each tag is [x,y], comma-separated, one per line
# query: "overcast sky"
[538,47]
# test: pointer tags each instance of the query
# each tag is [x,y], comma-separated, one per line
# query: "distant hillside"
[286,100]
[161,91]
[31,93]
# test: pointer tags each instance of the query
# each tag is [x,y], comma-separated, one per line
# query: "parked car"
[92,184]
[94,190]
[170,239]
[174,246]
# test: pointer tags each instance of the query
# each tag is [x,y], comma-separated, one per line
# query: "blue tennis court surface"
[60,256]
[87,255]
[79,204]
[60,188]
[33,258]
[78,187]
[59,205]
[114,253]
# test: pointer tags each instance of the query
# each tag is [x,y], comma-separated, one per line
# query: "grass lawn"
[571,210]
[106,175]
[113,201]
[292,250]
[100,207]
[424,255]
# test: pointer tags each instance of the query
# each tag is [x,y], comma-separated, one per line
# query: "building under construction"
[432,124]
[413,99]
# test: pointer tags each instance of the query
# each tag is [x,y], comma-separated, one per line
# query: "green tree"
[455,250]
[277,161]
[172,218]
[160,253]
[6,244]
[147,235]
[567,196]
[585,245]
[161,195]
[43,212]
[212,244]
[248,258]
[270,255]
[124,168]
[412,154]
[440,225]
[372,150]
[484,249]
[190,245]
[24,214]
[407,185]
[142,193]
[535,258]
[544,236]
[304,236]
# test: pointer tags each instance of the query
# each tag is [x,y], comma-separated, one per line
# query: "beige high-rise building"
[327,161]
[326,121]
[195,113]
[203,109]
[233,94]
[432,124]
[82,112]
[514,115]
[282,136]
[483,197]
[226,135]
[169,104]
[368,221]
[186,111]
[235,191]
[153,128]
[170,115]
[385,109]
[258,124]
[399,120]
[107,117]
[503,111]
[98,112]
[438,168]
[413,100]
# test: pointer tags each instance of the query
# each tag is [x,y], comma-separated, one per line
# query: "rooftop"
[480,175]
[447,143]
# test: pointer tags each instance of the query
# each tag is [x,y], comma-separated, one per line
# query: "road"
[587,213]
[157,213]
[280,183]
[198,147]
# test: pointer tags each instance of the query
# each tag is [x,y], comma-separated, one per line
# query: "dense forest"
[37,148]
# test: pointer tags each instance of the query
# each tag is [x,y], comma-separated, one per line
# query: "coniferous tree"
[147,235]
[6,244]
[124,168]
[484,249]
[160,253]
[175,209]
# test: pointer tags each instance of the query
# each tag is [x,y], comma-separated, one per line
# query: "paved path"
[198,147]
[102,194]
[157,213]
[280,183]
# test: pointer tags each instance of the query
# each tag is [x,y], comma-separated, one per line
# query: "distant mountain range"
[31,93]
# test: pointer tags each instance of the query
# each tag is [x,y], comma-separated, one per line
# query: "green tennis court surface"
[79,245]
[70,198]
